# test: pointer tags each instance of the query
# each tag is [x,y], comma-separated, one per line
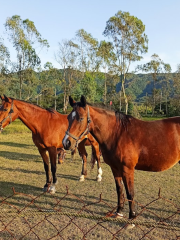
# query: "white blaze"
[64,140]
[73,114]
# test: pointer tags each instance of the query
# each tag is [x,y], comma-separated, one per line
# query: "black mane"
[123,118]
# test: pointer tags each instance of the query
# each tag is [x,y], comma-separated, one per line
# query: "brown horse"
[126,144]
[48,129]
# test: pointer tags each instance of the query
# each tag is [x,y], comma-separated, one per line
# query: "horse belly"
[157,161]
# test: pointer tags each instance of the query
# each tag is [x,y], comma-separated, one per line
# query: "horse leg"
[120,195]
[83,154]
[61,155]
[128,180]
[73,152]
[45,156]
[53,155]
[96,157]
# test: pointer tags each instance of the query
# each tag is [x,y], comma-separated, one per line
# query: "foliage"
[129,43]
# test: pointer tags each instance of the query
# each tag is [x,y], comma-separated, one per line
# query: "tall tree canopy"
[25,38]
[129,41]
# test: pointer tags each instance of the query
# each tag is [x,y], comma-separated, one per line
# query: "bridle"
[8,116]
[86,131]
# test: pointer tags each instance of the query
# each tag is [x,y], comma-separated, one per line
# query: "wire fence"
[49,216]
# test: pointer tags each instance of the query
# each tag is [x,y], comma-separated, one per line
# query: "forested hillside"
[98,70]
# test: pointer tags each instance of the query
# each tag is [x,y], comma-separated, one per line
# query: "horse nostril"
[68,144]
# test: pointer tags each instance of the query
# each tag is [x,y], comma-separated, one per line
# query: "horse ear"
[83,101]
[71,101]
[6,98]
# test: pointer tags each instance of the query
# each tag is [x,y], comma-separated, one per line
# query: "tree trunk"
[55,102]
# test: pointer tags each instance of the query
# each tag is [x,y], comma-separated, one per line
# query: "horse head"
[6,112]
[79,123]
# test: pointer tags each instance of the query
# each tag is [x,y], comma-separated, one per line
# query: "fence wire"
[48,216]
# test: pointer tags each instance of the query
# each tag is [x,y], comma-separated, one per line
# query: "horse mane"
[35,105]
[121,117]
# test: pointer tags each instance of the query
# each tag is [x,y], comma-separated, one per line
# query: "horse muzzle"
[67,145]
[66,142]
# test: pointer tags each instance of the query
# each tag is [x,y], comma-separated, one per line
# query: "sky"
[57,20]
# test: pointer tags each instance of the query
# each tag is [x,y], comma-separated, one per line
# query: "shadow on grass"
[25,193]
[13,144]
[18,156]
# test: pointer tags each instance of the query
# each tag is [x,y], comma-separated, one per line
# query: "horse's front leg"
[83,154]
[53,155]
[45,156]
[128,179]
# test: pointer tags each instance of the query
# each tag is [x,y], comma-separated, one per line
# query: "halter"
[8,116]
[86,131]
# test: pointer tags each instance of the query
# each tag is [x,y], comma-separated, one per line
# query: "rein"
[86,131]
[8,116]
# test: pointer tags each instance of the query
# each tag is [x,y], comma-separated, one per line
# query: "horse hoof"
[45,189]
[60,162]
[52,189]
[99,179]
[118,215]
[129,226]
[81,179]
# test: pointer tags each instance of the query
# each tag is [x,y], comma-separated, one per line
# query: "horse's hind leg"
[83,154]
[61,155]
[45,156]
[96,157]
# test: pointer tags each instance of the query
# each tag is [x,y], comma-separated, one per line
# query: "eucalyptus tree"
[157,67]
[25,39]
[49,82]
[106,55]
[4,64]
[129,42]
[87,46]
[66,56]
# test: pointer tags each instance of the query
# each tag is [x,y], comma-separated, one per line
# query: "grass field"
[21,168]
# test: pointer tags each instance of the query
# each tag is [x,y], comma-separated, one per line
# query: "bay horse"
[126,144]
[48,129]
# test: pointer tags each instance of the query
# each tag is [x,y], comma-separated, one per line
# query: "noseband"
[86,131]
[8,116]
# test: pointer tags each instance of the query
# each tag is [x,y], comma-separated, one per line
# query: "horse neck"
[103,123]
[29,114]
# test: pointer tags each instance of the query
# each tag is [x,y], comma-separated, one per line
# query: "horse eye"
[5,109]
[81,119]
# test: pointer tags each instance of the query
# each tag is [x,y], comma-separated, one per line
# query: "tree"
[106,55]
[156,67]
[25,37]
[66,56]
[129,42]
[87,46]
[4,71]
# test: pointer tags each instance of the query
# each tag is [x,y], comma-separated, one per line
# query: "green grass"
[21,168]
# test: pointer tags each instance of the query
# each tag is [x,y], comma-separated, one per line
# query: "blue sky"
[57,20]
